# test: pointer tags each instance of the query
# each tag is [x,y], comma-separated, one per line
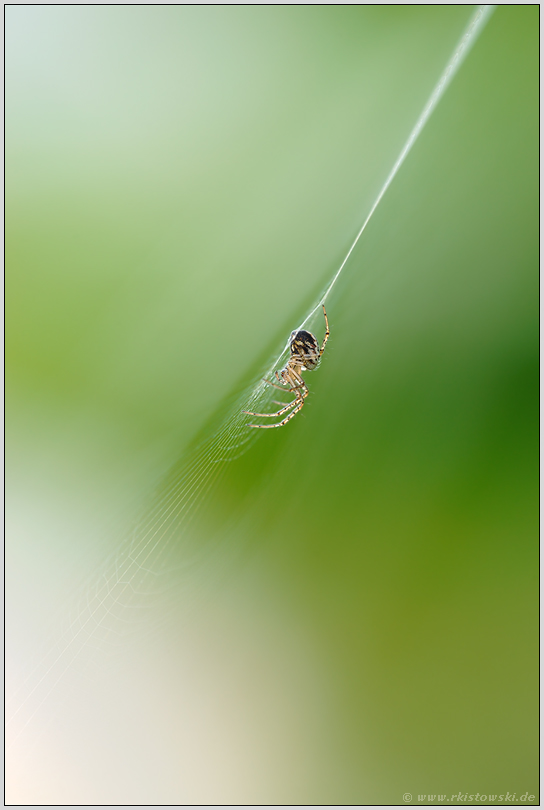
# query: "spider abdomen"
[305,349]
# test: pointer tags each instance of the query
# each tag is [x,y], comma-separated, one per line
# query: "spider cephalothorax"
[305,355]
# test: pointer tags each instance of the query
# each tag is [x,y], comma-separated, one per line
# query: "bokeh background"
[181,182]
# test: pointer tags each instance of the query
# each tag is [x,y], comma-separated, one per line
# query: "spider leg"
[296,405]
[278,413]
[284,386]
[301,394]
[327,331]
[287,418]
[279,387]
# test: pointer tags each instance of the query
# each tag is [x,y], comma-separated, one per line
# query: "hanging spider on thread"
[305,356]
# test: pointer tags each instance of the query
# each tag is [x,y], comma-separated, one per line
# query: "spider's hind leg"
[278,413]
[279,387]
[298,402]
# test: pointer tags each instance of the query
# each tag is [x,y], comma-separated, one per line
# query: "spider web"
[162,545]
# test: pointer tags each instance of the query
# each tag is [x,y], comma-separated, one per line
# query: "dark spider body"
[305,349]
[305,356]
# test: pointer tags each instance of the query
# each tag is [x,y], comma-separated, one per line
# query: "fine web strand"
[134,570]
[473,30]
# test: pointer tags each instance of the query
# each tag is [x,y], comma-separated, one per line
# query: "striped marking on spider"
[305,356]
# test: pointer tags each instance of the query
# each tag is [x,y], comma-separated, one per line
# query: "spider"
[305,355]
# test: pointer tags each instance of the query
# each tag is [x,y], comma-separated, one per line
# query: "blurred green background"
[181,181]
